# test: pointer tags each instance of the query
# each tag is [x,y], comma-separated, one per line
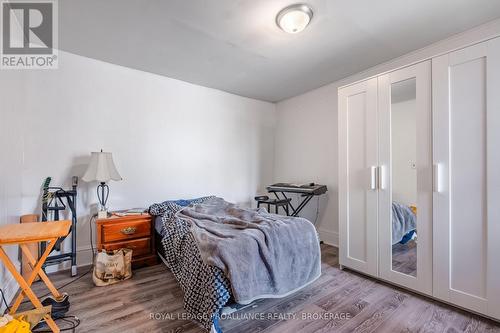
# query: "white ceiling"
[235,45]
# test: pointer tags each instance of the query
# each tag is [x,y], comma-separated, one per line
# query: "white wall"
[11,107]
[306,151]
[306,130]
[169,139]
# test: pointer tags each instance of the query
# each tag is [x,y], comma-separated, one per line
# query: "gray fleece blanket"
[263,255]
[403,221]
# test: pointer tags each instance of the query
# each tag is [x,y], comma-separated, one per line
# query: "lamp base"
[102,214]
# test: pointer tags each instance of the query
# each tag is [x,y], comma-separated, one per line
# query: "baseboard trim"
[329,237]
[84,255]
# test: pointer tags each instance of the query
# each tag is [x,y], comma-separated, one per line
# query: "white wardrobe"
[419,177]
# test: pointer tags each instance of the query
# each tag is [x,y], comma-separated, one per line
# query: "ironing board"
[23,234]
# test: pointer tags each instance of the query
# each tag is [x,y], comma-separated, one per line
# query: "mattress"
[160,249]
[159,227]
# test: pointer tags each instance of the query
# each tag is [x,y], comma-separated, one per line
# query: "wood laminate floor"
[339,301]
[404,258]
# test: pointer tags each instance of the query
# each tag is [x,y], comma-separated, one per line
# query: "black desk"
[307,192]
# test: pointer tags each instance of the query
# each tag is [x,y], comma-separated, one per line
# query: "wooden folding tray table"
[23,234]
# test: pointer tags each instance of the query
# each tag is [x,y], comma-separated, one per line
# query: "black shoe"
[59,307]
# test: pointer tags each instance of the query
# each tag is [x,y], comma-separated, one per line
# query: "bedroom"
[197,99]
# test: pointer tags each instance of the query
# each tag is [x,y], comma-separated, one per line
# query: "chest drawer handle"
[129,231]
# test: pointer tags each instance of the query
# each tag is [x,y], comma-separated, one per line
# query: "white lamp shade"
[101,168]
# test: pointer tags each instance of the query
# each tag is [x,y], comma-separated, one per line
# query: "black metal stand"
[302,204]
[56,205]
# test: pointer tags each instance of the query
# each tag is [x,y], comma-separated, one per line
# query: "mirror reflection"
[404,176]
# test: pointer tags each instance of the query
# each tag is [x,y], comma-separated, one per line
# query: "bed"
[221,253]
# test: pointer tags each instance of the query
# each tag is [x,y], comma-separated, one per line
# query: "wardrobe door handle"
[373,178]
[437,178]
[381,177]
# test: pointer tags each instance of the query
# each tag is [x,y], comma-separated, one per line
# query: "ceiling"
[235,45]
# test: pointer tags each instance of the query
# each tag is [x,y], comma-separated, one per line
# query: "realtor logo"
[29,34]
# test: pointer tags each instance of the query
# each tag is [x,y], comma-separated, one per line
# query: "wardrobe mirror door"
[404,176]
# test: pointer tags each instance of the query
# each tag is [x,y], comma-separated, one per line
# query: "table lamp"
[101,169]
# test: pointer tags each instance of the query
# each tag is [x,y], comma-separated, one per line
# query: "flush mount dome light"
[295,18]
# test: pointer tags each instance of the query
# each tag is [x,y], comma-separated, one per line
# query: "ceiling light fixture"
[295,18]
